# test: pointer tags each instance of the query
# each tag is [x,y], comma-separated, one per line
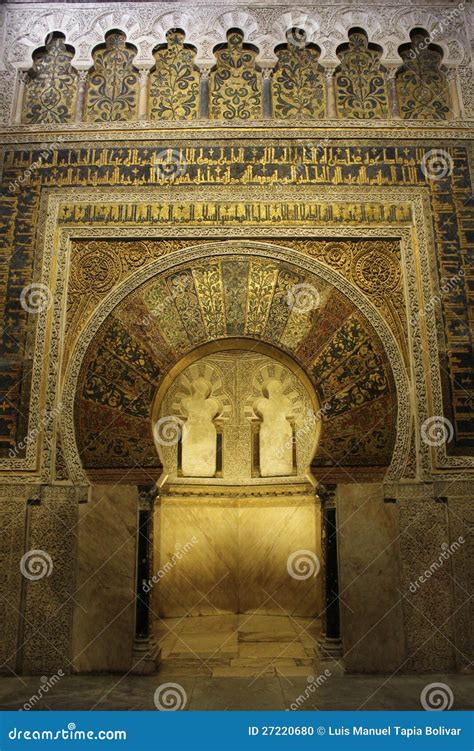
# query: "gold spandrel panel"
[51,86]
[359,81]
[422,87]
[113,83]
[236,83]
[174,83]
[298,87]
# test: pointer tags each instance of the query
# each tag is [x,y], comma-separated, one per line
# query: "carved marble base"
[329,648]
[146,657]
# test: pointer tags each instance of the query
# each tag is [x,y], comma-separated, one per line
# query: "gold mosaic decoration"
[422,88]
[298,88]
[113,83]
[51,85]
[172,313]
[359,81]
[174,83]
[235,82]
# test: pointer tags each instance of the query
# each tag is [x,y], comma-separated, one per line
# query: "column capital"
[143,74]
[391,71]
[328,71]
[205,70]
[327,494]
[451,74]
[267,73]
[147,495]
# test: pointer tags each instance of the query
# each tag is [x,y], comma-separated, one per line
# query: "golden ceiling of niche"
[244,296]
[373,266]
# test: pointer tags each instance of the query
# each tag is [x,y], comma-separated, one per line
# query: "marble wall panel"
[48,600]
[233,556]
[204,580]
[428,602]
[370,606]
[461,527]
[104,616]
[12,538]
[268,536]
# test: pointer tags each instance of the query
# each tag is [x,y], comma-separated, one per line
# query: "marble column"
[267,93]
[392,93]
[144,75]
[330,644]
[81,92]
[145,651]
[452,76]
[22,77]
[204,92]
[331,111]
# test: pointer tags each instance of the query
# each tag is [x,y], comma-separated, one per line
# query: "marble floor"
[238,646]
[235,663]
